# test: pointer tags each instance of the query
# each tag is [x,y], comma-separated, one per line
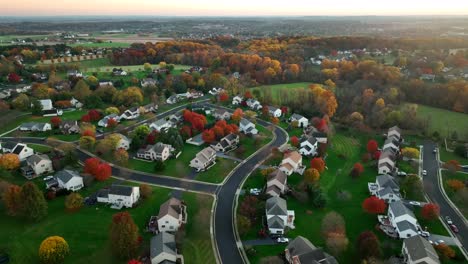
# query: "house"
[276,184]
[131,113]
[7,146]
[237,100]
[275,112]
[222,114]
[227,143]
[118,72]
[148,82]
[103,122]
[70,180]
[403,220]
[173,99]
[277,215]
[385,188]
[152,107]
[320,137]
[74,73]
[163,249]
[62,85]
[69,127]
[308,145]
[417,250]
[123,143]
[159,151]
[35,127]
[121,195]
[172,214]
[254,104]
[176,118]
[394,131]
[105,83]
[52,112]
[393,144]
[216,91]
[301,121]
[386,162]
[302,251]
[161,125]
[37,164]
[204,159]
[247,127]
[22,150]
[292,162]
[75,103]
[46,104]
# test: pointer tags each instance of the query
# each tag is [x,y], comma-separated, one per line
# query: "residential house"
[163,249]
[70,180]
[385,188]
[62,85]
[204,159]
[247,127]
[254,104]
[69,127]
[122,195]
[222,114]
[75,103]
[118,72]
[7,146]
[193,94]
[276,184]
[173,99]
[5,94]
[161,125]
[301,121]
[320,137]
[123,143]
[403,220]
[394,131]
[392,144]
[227,143]
[292,162]
[105,83]
[274,111]
[302,251]
[152,107]
[387,162]
[216,91]
[417,250]
[277,215]
[35,127]
[308,145]
[46,104]
[131,113]
[103,122]
[148,82]
[159,151]
[36,165]
[237,100]
[172,214]
[74,73]
[20,149]
[52,112]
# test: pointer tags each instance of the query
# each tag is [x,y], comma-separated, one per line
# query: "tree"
[445,251]
[243,224]
[374,205]
[248,207]
[14,78]
[412,188]
[208,136]
[455,184]
[94,115]
[368,245]
[21,102]
[121,157]
[372,146]
[55,121]
[112,123]
[333,222]
[12,200]
[147,67]
[73,202]
[91,165]
[124,235]
[81,90]
[452,165]
[9,161]
[311,176]
[36,107]
[237,115]
[294,141]
[159,166]
[337,243]
[34,205]
[112,110]
[223,97]
[274,120]
[104,172]
[134,261]
[316,195]
[145,190]
[53,250]
[87,142]
[411,153]
[430,211]
[318,164]
[357,170]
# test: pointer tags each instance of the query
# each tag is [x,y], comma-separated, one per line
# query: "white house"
[254,104]
[308,146]
[131,113]
[275,112]
[394,131]
[292,162]
[70,180]
[403,220]
[301,121]
[227,143]
[75,103]
[216,91]
[172,99]
[385,188]
[237,100]
[20,149]
[105,83]
[386,162]
[417,250]
[204,159]
[222,114]
[103,122]
[35,127]
[123,143]
[172,214]
[247,127]
[163,249]
[159,151]
[276,184]
[69,127]
[161,125]
[151,107]
[120,195]
[278,216]
[37,164]
[148,82]
[46,104]
[7,146]
[393,144]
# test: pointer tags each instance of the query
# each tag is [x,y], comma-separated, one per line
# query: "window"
[163,226]
[167,222]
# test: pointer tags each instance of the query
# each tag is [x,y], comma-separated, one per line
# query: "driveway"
[260,242]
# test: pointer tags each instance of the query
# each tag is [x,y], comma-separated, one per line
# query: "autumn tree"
[333,222]
[336,243]
[112,110]
[430,211]
[9,161]
[368,245]
[121,157]
[274,120]
[357,170]
[104,171]
[411,153]
[244,224]
[311,176]
[12,200]
[452,165]
[124,235]
[248,207]
[55,121]
[445,251]
[87,142]
[91,165]
[374,205]
[372,146]
[318,164]
[81,90]
[34,205]
[294,141]
[53,250]
[21,102]
[73,202]
[145,190]
[455,184]
[237,115]
[223,97]
[208,136]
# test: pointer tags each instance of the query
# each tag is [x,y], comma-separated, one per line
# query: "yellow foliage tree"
[9,161]
[311,175]
[53,250]
[411,153]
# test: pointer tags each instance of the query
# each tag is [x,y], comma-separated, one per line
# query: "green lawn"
[40,148]
[445,122]
[446,156]
[462,205]
[274,90]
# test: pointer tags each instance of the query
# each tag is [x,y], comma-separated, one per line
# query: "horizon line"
[265,15]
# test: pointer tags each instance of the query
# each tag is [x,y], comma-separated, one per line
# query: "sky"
[232,7]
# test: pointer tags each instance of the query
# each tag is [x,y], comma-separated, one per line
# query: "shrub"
[53,250]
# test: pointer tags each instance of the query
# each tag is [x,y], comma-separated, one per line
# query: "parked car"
[282,240]
[415,203]
[454,228]
[424,233]
[448,220]
[255,191]
[48,178]
[434,151]
[401,173]
[440,241]
[424,173]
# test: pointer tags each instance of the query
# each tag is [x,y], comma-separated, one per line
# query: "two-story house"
[385,188]
[292,162]
[37,164]
[277,183]
[301,121]
[70,180]
[254,104]
[237,100]
[20,149]
[308,145]
[104,121]
[302,251]
[163,249]
[69,127]
[403,220]
[158,151]
[119,195]
[172,215]
[161,125]
[274,111]
[278,216]
[227,143]
[387,162]
[222,114]
[204,159]
[247,127]
[131,113]
[417,250]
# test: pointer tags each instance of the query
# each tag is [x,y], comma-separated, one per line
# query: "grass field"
[101,45]
[445,122]
[462,205]
[274,90]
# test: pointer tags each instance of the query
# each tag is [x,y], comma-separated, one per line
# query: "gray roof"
[276,206]
[160,122]
[297,117]
[419,248]
[122,190]
[405,225]
[245,122]
[66,175]
[163,242]
[272,108]
[170,207]
[387,190]
[395,128]
[278,175]
[387,181]
[312,140]
[391,140]
[387,154]
[308,253]
[8,145]
[36,158]
[275,222]
[399,209]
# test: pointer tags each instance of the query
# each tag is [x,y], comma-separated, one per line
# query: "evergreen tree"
[34,205]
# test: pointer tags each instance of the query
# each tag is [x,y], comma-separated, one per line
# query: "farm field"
[101,45]
[274,90]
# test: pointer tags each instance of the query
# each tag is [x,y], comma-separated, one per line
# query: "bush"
[53,250]
[146,190]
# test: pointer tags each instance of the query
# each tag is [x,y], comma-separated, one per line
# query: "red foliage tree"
[186,131]
[294,141]
[430,211]
[104,171]
[374,205]
[14,78]
[376,155]
[86,118]
[152,137]
[358,168]
[111,123]
[198,121]
[208,136]
[284,110]
[320,124]
[223,97]
[55,121]
[134,261]
[88,133]
[368,245]
[94,115]
[318,164]
[247,95]
[91,165]
[372,146]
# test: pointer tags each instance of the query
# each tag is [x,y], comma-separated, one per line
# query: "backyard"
[274,90]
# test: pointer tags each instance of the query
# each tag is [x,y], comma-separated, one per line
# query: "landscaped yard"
[458,201]
[274,90]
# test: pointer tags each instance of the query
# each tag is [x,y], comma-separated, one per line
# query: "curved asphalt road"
[434,191]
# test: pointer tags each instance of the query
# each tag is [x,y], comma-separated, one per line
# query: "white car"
[424,233]
[48,178]
[415,203]
[424,173]
[282,240]
[255,191]
[434,151]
